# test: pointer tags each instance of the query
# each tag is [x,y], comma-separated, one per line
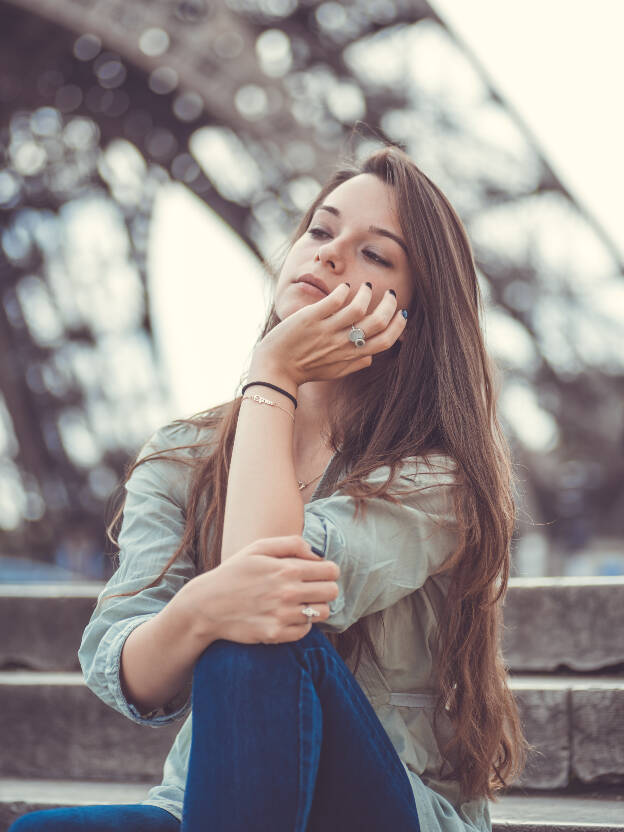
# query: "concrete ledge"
[43,624]
[556,813]
[53,720]
[577,726]
[511,813]
[574,623]
[545,721]
[598,734]
[17,797]
[575,722]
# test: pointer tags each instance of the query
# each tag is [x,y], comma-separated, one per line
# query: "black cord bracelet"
[273,387]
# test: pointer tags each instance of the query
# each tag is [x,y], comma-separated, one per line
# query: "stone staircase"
[564,644]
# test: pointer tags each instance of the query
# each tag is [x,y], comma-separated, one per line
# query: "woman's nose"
[330,257]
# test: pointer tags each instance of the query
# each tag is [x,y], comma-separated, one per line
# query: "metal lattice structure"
[249,103]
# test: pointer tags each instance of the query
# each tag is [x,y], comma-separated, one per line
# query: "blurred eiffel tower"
[248,103]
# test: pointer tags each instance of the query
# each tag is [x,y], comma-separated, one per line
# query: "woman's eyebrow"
[373,228]
[329,208]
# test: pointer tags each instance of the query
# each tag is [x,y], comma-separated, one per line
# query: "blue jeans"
[284,740]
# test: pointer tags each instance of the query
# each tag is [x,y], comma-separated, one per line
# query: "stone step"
[48,717]
[511,813]
[558,813]
[17,797]
[574,623]
[575,722]
[42,624]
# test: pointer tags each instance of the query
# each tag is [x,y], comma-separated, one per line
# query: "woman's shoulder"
[188,437]
[166,462]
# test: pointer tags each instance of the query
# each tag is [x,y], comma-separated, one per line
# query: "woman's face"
[353,237]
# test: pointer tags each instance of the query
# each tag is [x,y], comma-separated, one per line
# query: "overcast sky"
[560,64]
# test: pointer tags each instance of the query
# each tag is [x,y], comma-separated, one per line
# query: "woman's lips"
[313,290]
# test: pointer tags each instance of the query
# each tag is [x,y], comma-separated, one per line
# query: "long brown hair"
[432,391]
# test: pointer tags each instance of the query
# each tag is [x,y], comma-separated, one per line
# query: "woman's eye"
[318,232]
[372,255]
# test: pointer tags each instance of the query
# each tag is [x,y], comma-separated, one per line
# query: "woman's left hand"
[313,343]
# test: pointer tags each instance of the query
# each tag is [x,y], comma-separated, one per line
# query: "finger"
[355,309]
[379,337]
[320,570]
[330,304]
[318,592]
[283,547]
[381,316]
[297,612]
[295,632]
[386,337]
[372,322]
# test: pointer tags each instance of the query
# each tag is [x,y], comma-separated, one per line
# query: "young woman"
[317,568]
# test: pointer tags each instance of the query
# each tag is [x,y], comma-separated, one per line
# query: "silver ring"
[357,336]
[309,612]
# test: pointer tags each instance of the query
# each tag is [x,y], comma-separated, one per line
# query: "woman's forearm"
[159,656]
[263,498]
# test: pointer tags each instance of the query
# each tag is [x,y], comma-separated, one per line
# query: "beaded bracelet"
[273,387]
[261,400]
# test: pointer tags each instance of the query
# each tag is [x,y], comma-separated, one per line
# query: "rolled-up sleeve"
[391,550]
[151,530]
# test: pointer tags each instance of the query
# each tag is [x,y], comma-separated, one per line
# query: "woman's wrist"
[194,608]
[159,655]
[265,368]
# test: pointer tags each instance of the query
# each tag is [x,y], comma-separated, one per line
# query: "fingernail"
[370,285]
[404,313]
[392,292]
[316,551]
[347,284]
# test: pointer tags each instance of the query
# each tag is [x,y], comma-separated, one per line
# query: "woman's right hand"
[257,595]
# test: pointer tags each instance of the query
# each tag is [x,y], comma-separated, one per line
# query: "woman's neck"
[313,399]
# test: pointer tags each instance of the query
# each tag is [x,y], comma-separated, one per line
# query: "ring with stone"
[357,336]
[309,612]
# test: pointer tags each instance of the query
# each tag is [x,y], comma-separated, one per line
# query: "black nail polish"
[370,285]
[316,551]
[392,292]
[347,284]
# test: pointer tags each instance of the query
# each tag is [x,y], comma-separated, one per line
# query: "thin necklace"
[302,485]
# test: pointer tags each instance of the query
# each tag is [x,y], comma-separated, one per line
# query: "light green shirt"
[386,559]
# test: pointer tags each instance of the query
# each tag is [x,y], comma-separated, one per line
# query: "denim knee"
[27,823]
[221,653]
